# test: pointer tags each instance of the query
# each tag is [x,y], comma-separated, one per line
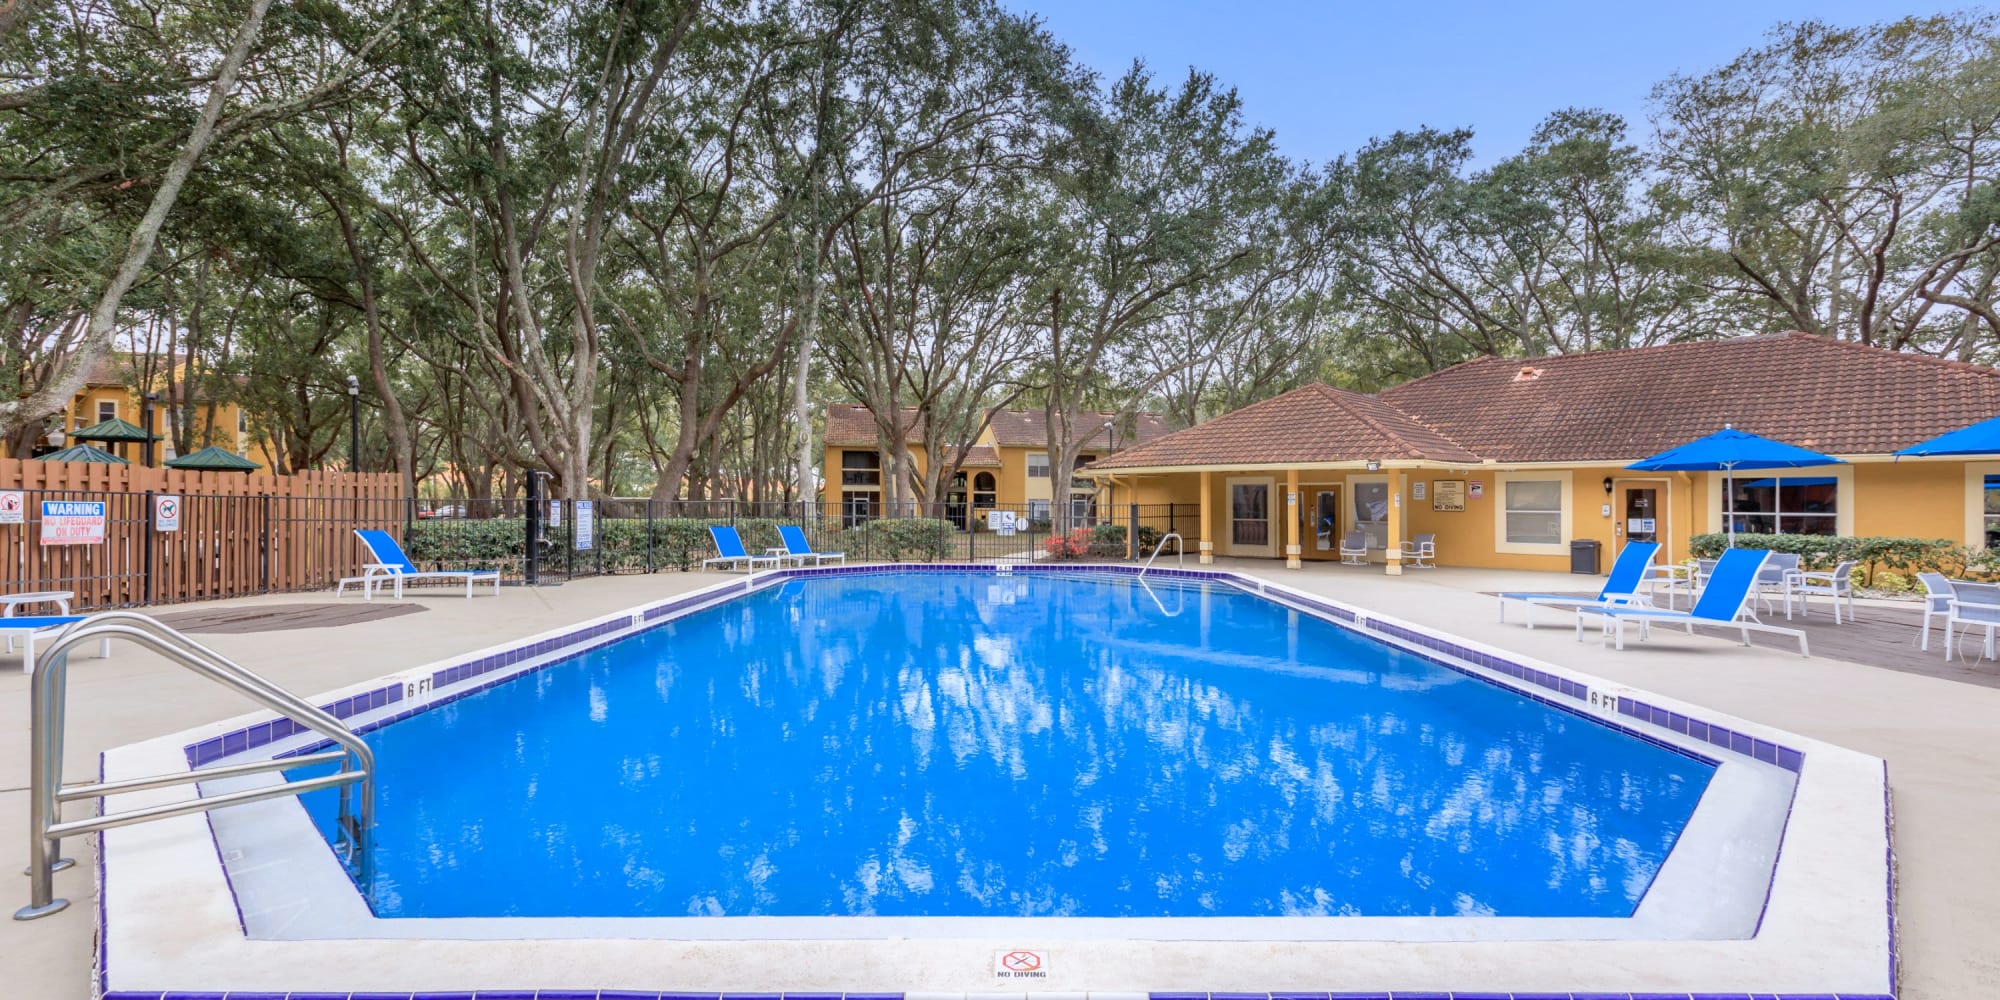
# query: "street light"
[146,418]
[353,424]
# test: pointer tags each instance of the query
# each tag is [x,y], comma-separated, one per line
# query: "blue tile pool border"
[1491,667]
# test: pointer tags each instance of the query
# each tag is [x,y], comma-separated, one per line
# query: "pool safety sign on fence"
[13,507]
[72,522]
[166,513]
[586,523]
[1021,963]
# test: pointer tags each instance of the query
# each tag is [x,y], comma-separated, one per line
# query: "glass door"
[1640,516]
[1326,520]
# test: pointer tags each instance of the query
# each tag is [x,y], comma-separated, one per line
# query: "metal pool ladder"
[1180,550]
[46,794]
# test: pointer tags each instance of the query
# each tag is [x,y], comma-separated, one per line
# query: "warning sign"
[166,513]
[1021,963]
[72,522]
[13,507]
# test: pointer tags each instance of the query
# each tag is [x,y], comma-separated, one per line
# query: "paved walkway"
[1935,725]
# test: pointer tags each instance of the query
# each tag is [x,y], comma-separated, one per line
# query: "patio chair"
[1421,552]
[1354,549]
[1723,604]
[26,628]
[1776,576]
[1836,584]
[1937,603]
[1975,605]
[393,565]
[1622,588]
[797,546]
[729,549]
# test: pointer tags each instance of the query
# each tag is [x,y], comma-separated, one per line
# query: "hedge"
[1890,563]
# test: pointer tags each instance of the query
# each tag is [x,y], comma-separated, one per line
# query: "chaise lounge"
[393,565]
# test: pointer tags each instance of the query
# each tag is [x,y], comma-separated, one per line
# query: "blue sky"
[1329,74]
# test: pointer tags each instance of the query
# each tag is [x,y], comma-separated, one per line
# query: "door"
[1326,520]
[1250,516]
[1640,515]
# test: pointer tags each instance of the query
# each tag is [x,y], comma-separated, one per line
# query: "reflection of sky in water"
[970,745]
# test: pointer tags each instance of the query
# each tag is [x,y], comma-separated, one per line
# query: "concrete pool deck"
[1932,731]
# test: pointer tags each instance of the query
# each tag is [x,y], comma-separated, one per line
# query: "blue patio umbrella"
[1726,451]
[1982,438]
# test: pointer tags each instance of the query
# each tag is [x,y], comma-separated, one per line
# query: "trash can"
[1583,556]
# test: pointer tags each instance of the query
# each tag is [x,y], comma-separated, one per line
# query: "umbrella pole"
[1729,505]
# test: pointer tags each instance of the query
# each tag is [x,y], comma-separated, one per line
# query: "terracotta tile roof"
[1029,428]
[1829,395]
[851,425]
[980,456]
[1316,423]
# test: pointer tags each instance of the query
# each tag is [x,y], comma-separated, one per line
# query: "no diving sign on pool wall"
[1021,963]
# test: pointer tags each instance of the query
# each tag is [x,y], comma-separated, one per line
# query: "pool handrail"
[47,721]
[1180,550]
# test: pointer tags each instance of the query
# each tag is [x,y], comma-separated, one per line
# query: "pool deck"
[1935,730]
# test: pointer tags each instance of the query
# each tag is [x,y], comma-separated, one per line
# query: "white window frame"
[1038,465]
[101,404]
[1975,501]
[1843,499]
[1567,514]
[1351,522]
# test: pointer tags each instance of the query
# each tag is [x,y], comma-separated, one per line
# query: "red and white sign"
[166,512]
[72,522]
[13,507]
[1021,963]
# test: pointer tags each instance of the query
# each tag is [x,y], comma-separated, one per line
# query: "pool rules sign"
[166,513]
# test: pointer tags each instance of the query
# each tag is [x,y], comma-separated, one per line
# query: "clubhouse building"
[1508,461]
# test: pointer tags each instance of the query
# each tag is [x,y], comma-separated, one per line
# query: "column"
[1207,545]
[1291,509]
[1393,548]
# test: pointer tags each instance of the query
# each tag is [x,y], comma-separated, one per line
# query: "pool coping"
[1829,960]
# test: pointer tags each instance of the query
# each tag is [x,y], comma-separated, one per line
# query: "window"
[1078,484]
[860,468]
[1038,465]
[107,409]
[1534,511]
[242,422]
[1250,514]
[1371,513]
[985,490]
[1992,511]
[1790,505]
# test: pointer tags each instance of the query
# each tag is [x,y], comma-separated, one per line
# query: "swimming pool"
[973,744]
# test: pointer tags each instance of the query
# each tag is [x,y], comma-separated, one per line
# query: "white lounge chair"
[1836,584]
[1622,587]
[1354,549]
[1975,605]
[26,629]
[797,546]
[1421,552]
[729,549]
[1724,603]
[1776,578]
[392,565]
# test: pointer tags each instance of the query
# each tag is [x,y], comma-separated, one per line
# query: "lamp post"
[353,424]
[146,424]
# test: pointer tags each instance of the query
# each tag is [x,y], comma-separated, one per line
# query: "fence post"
[151,536]
[1132,533]
[532,524]
[970,534]
[264,553]
[649,536]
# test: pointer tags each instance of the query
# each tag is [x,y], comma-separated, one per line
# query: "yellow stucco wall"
[1931,499]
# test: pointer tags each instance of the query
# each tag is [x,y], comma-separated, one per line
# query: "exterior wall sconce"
[1607,485]
[1374,465]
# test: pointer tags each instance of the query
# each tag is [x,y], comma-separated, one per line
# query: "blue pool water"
[978,745]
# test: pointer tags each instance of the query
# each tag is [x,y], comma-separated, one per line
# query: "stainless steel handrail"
[48,697]
[1180,550]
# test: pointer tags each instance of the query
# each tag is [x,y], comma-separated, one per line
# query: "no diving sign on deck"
[1021,964]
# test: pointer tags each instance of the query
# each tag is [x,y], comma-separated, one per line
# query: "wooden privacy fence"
[239,534]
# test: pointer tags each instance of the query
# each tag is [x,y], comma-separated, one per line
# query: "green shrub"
[900,539]
[1902,558]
